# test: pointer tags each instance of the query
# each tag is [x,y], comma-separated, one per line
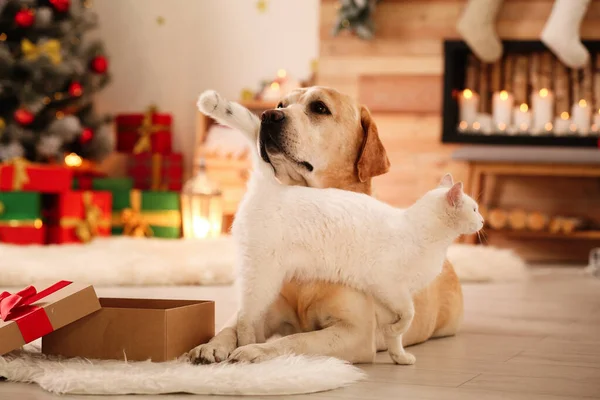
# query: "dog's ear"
[372,158]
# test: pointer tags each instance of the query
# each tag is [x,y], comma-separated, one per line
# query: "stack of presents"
[54,204]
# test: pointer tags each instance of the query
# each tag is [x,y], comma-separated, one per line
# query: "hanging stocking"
[561,33]
[477,27]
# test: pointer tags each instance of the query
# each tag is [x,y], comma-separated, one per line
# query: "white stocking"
[561,33]
[477,27]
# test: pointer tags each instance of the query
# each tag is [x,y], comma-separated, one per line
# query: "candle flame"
[467,93]
[582,103]
[501,126]
[503,95]
[548,126]
[543,92]
[463,125]
[275,86]
[73,160]
[524,107]
[476,125]
[281,73]
[564,115]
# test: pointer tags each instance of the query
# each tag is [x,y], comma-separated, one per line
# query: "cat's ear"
[454,195]
[446,181]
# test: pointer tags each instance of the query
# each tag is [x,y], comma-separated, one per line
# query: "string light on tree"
[99,64]
[87,134]
[75,89]
[24,117]
[25,18]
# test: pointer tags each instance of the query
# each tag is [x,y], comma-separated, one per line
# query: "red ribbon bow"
[10,302]
[32,320]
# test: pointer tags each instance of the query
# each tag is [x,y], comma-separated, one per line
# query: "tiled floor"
[532,340]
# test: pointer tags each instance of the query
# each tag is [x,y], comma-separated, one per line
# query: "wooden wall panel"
[405,60]
[401,93]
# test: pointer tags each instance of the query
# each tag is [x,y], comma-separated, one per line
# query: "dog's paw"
[403,358]
[208,101]
[252,353]
[208,353]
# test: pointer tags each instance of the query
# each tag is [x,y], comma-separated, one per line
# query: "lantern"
[201,206]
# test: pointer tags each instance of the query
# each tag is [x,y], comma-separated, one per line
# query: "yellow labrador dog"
[320,318]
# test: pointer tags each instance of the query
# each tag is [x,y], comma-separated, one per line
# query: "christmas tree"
[48,75]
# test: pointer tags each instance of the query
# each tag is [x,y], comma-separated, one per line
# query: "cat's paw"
[208,101]
[209,353]
[403,358]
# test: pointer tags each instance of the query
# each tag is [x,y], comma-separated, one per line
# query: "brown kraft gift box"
[136,330]
[40,309]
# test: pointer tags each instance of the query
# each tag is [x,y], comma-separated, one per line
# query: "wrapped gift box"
[136,329]
[156,171]
[22,175]
[28,315]
[156,214]
[148,132]
[78,216]
[120,188]
[21,218]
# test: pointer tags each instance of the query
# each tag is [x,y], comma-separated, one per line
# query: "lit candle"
[502,105]
[463,126]
[562,123]
[468,104]
[581,117]
[543,106]
[272,92]
[522,117]
[485,123]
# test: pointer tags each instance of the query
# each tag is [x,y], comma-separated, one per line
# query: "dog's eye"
[280,105]
[319,107]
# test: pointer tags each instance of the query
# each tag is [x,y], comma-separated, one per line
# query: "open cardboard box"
[136,329]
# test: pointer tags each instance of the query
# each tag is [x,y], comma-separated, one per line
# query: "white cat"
[337,236]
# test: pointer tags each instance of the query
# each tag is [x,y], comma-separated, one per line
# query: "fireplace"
[528,98]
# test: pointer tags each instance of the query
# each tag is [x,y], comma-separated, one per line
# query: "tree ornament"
[25,18]
[23,116]
[87,134]
[356,16]
[99,64]
[61,5]
[75,89]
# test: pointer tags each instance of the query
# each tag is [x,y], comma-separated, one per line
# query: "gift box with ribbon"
[78,216]
[19,174]
[121,194]
[140,133]
[21,218]
[150,214]
[158,172]
[28,314]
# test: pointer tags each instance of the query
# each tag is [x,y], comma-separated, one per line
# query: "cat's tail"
[230,114]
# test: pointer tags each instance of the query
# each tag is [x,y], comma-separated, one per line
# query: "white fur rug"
[125,261]
[281,376]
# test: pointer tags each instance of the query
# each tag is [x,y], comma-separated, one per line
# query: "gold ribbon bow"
[20,177]
[87,228]
[137,223]
[50,48]
[146,130]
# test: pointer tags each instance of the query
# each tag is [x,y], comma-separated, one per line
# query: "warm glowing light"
[60,115]
[201,226]
[467,93]
[281,73]
[476,125]
[543,92]
[73,160]
[523,127]
[573,128]
[2,37]
[46,100]
[548,126]
[594,128]
[503,95]
[37,224]
[582,103]
[523,107]
[564,115]
[275,86]
[463,125]
[502,126]
[58,95]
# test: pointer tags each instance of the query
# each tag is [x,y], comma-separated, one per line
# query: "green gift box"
[150,214]
[20,218]
[120,189]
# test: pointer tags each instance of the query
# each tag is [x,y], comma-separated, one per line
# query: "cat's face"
[462,210]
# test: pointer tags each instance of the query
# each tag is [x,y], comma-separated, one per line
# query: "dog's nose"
[275,116]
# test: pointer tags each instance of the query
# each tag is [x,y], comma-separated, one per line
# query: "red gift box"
[28,314]
[22,175]
[156,171]
[79,216]
[32,233]
[140,133]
